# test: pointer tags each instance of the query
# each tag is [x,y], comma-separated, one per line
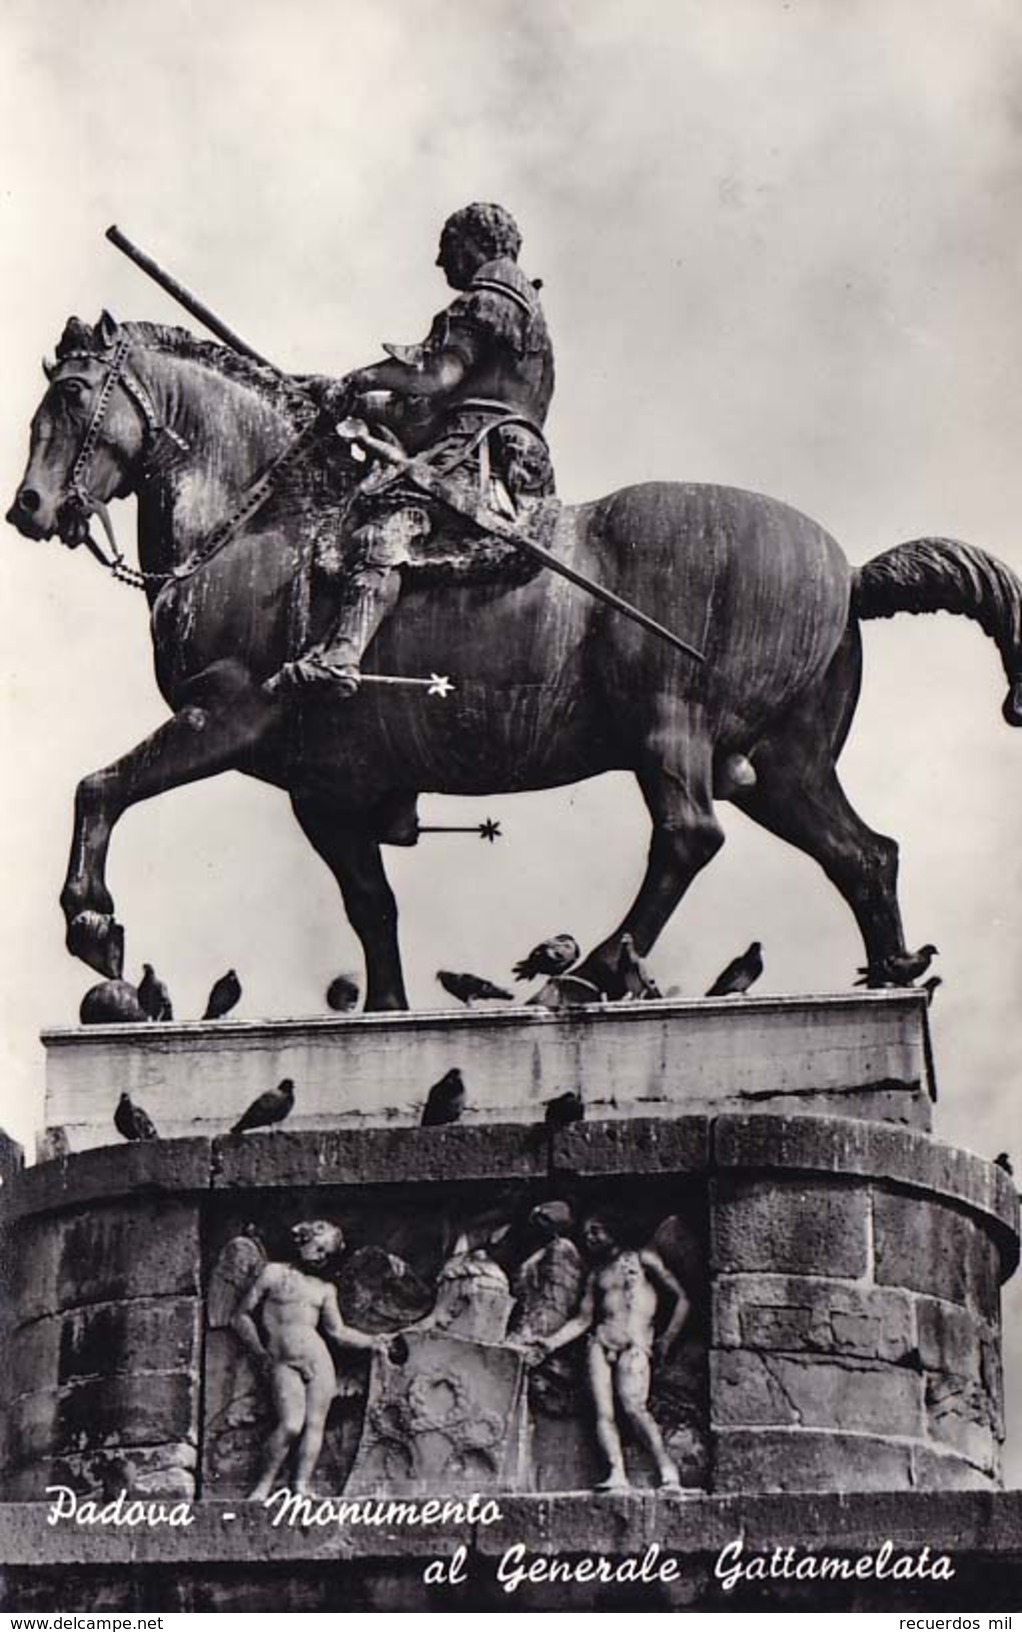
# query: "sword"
[356,431]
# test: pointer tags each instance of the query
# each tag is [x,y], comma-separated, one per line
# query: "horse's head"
[86,437]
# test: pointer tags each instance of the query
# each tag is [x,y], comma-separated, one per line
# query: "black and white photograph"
[509,711]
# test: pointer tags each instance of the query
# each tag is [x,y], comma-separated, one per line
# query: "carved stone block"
[799,1313]
[791,1459]
[936,1249]
[810,1391]
[126,1250]
[790,1226]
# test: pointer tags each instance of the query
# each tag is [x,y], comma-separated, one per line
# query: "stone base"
[855,1054]
[232,1559]
[843,1276]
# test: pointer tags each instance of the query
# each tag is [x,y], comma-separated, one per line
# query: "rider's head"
[474,235]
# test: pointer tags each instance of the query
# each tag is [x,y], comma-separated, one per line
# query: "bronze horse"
[551,686]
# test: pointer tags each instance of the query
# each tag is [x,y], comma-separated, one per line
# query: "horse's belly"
[485,737]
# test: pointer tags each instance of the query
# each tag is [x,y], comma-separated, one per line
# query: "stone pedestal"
[843,1271]
[847,1055]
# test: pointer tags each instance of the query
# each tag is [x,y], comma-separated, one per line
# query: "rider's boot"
[373,593]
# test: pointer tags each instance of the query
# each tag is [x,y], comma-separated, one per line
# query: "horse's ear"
[77,336]
[49,369]
[107,329]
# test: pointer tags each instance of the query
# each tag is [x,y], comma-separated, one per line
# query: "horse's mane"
[277,389]
[281,392]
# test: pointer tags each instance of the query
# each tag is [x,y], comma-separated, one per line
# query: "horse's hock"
[843,1268]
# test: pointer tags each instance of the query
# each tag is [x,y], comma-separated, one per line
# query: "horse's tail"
[942,575]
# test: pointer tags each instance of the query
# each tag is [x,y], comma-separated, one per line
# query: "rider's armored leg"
[373,593]
[372,590]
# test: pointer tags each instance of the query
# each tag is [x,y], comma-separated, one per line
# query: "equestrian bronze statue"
[245,554]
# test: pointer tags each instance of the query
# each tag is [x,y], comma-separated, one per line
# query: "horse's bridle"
[161,446]
[163,443]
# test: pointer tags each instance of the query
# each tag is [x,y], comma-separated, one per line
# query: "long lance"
[483,517]
[184,297]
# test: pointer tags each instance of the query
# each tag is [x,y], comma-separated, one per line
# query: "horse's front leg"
[350,848]
[223,716]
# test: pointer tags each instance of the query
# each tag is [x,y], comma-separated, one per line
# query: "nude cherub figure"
[618,1310]
[282,1321]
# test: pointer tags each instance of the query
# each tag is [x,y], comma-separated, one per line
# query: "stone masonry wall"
[856,1328]
[853,1300]
[103,1366]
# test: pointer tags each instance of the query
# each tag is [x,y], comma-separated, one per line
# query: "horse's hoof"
[98,940]
[112,1002]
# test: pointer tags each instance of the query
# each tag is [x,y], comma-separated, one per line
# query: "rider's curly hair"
[492,227]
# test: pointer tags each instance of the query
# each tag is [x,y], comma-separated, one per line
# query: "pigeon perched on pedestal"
[469,989]
[899,970]
[553,957]
[131,1121]
[740,973]
[1003,1160]
[445,1100]
[342,994]
[564,1109]
[560,1112]
[224,996]
[268,1108]
[154,996]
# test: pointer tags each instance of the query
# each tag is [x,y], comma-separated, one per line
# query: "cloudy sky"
[780,248]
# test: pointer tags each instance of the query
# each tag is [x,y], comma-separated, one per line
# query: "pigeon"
[268,1108]
[154,996]
[911,966]
[445,1100]
[131,1121]
[553,957]
[633,976]
[560,1112]
[1002,1159]
[469,989]
[930,986]
[900,970]
[225,994]
[342,994]
[740,973]
[563,1110]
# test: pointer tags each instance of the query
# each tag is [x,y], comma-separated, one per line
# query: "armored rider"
[469,402]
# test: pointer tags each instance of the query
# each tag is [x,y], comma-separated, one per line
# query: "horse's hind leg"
[675,772]
[798,797]
[352,853]
[223,718]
